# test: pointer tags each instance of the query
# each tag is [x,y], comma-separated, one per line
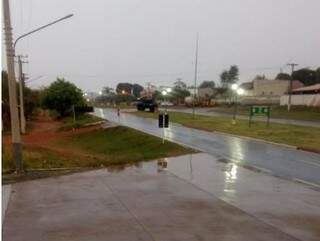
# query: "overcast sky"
[142,41]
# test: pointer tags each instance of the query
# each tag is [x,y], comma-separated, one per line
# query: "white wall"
[306,100]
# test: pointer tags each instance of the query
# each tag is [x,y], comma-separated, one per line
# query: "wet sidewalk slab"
[193,197]
[293,208]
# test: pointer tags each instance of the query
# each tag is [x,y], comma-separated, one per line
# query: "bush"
[61,95]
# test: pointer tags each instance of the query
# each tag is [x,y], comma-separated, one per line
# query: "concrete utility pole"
[290,87]
[21,100]
[15,129]
[195,77]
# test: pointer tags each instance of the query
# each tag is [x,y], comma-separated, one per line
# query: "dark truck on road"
[147,103]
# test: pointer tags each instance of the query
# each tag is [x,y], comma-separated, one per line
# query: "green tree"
[224,78]
[107,90]
[31,99]
[207,84]
[61,95]
[283,76]
[180,94]
[228,77]
[136,89]
[306,76]
[124,88]
[259,77]
[318,75]
[233,73]
[179,84]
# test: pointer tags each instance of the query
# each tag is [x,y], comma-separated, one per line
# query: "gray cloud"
[154,41]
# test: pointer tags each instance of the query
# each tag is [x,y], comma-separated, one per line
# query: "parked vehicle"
[147,103]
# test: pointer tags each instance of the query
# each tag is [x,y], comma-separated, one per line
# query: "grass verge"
[303,137]
[121,145]
[81,121]
[296,113]
[87,150]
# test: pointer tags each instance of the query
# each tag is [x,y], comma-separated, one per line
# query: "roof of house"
[308,88]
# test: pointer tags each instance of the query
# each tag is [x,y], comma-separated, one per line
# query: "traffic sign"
[259,111]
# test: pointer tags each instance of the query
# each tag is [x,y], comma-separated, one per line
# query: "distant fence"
[305,100]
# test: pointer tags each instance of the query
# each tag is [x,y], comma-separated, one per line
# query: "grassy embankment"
[296,113]
[97,147]
[303,137]
[81,121]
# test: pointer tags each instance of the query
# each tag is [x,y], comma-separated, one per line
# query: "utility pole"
[195,76]
[21,100]
[290,87]
[15,129]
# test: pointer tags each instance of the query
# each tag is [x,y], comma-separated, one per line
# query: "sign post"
[163,123]
[259,111]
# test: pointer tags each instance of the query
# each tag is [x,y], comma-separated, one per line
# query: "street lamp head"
[164,92]
[240,91]
[234,86]
[100,92]
[168,90]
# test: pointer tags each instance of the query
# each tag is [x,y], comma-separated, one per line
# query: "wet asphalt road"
[280,161]
[210,112]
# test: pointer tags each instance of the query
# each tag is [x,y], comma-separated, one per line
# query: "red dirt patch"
[44,132]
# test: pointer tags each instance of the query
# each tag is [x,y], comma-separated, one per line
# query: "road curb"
[256,139]
[308,149]
[243,137]
[94,123]
[272,143]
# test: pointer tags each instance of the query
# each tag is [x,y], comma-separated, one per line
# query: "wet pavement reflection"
[191,197]
[271,199]
[278,160]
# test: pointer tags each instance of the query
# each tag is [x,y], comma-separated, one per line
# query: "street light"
[168,90]
[238,91]
[234,86]
[40,28]
[164,93]
[22,117]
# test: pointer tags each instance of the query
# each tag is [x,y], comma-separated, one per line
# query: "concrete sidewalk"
[149,202]
[6,193]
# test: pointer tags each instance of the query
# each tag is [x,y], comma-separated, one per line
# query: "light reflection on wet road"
[281,161]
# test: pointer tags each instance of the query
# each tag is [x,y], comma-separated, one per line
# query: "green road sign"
[259,111]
